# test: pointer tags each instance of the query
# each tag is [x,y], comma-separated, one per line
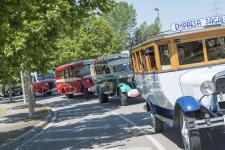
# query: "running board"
[166,120]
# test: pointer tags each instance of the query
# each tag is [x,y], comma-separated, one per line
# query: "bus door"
[160,78]
[150,75]
[77,78]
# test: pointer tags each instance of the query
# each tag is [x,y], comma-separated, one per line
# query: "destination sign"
[197,23]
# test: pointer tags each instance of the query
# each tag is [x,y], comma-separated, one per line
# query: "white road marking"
[71,139]
[149,137]
[79,129]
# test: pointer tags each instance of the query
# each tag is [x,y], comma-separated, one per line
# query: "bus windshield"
[85,70]
[41,77]
[122,68]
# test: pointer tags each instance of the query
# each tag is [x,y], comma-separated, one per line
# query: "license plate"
[221,98]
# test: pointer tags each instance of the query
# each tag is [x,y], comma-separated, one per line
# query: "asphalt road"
[86,124]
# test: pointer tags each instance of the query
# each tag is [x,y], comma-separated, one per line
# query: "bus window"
[105,70]
[66,73]
[140,68]
[151,54]
[70,72]
[76,70]
[59,74]
[134,63]
[144,62]
[85,70]
[215,48]
[164,56]
[190,52]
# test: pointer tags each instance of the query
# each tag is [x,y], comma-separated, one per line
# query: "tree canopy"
[40,34]
[30,31]
[145,31]
[122,19]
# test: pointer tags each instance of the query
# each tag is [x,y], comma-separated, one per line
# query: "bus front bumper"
[206,123]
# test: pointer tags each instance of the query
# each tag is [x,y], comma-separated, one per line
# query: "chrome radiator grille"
[220,89]
[220,85]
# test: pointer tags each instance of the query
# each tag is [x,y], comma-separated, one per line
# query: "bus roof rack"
[113,57]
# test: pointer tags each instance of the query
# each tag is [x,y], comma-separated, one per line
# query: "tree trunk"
[28,90]
[10,91]
[23,87]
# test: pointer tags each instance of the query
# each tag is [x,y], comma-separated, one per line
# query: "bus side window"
[59,74]
[164,56]
[133,62]
[144,62]
[66,73]
[151,54]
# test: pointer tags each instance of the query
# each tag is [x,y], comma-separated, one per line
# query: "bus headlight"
[208,88]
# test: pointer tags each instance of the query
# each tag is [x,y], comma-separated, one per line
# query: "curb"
[29,134]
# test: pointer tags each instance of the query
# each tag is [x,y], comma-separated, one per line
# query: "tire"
[49,93]
[86,93]
[157,124]
[69,95]
[103,98]
[191,138]
[123,98]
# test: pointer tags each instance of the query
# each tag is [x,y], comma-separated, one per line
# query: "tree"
[94,38]
[122,20]
[145,31]
[31,29]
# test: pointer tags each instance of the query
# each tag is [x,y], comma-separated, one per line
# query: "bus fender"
[188,104]
[185,104]
[123,87]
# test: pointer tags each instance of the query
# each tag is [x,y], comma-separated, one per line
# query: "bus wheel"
[157,124]
[103,98]
[123,98]
[191,138]
[69,95]
[86,93]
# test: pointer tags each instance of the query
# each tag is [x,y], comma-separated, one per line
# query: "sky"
[172,11]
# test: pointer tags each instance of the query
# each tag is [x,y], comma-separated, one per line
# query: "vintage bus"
[112,76]
[43,85]
[182,77]
[74,79]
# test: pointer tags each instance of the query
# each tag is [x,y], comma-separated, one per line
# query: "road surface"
[86,124]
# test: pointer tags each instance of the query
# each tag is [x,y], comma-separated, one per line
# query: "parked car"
[16,90]
[112,76]
[182,78]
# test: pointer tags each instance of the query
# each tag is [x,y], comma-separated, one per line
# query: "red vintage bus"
[43,85]
[74,79]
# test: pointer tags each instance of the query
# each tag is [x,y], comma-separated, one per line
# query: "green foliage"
[30,31]
[122,20]
[94,38]
[145,31]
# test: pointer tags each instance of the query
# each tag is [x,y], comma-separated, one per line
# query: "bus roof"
[110,58]
[77,63]
[169,34]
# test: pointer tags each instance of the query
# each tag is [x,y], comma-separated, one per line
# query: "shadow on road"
[76,134]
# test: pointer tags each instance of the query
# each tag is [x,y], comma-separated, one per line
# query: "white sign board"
[197,23]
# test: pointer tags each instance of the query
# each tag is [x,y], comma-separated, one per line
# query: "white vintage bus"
[182,78]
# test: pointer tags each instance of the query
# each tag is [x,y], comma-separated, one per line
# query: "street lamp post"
[157,9]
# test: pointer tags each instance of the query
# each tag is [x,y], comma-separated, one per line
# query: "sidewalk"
[14,119]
